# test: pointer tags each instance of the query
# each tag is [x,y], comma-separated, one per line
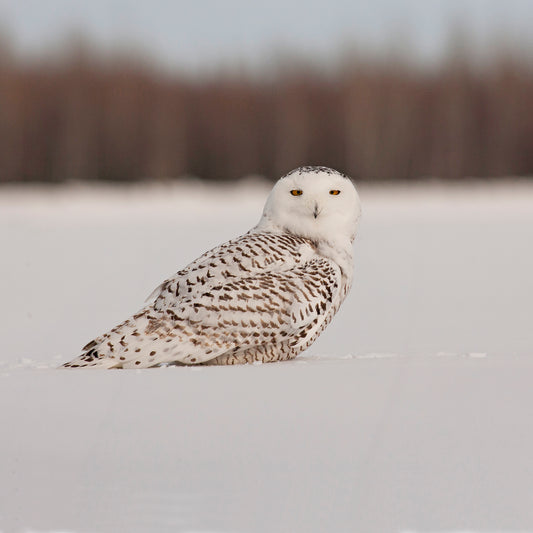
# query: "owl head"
[318,203]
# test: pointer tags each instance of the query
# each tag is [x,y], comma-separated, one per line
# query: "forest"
[86,117]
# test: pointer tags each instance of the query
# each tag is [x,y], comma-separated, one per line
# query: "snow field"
[411,413]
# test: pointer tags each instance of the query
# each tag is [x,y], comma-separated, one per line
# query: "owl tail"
[90,359]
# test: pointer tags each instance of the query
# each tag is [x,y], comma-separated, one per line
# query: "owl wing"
[251,254]
[267,308]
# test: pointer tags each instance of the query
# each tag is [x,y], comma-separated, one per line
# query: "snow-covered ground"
[413,412]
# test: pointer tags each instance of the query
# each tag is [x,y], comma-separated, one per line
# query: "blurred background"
[392,90]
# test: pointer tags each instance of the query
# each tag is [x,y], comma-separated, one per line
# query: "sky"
[206,33]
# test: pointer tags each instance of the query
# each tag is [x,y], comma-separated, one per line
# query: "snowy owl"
[262,297]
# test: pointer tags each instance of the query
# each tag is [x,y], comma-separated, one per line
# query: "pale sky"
[198,34]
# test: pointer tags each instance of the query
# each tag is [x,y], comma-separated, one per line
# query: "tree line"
[83,118]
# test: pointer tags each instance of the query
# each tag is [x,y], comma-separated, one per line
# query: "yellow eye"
[334,192]
[296,192]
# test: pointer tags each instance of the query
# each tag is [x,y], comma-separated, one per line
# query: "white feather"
[264,296]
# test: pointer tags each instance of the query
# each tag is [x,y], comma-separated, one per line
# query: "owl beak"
[316,211]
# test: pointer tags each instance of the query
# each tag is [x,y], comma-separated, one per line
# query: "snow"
[413,412]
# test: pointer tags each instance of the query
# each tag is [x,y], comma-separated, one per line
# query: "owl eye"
[297,192]
[334,192]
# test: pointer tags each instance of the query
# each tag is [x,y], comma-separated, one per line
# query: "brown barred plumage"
[265,296]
